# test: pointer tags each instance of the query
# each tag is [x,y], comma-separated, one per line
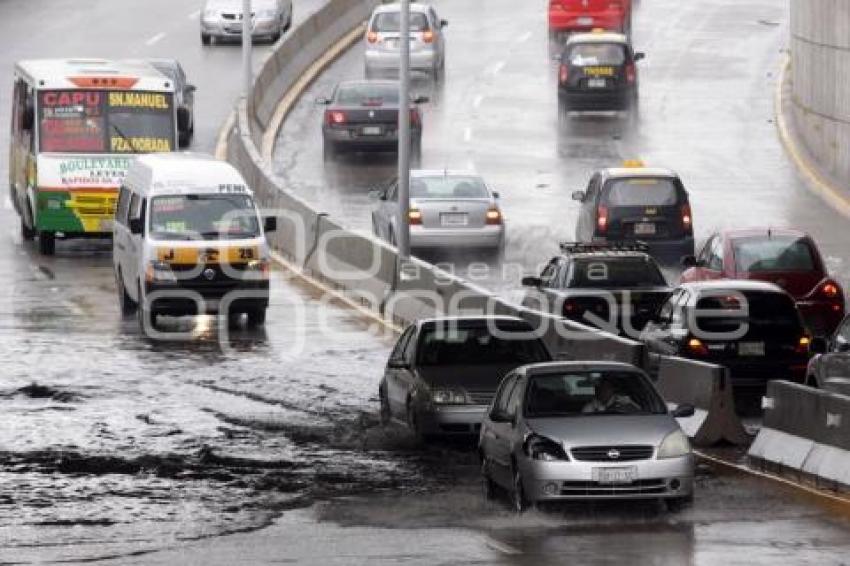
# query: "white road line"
[524,37]
[195,15]
[500,546]
[477,101]
[155,39]
[467,134]
[497,68]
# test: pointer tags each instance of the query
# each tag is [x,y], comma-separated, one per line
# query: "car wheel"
[125,303]
[385,415]
[413,424]
[488,486]
[518,498]
[206,39]
[256,317]
[46,243]
[678,504]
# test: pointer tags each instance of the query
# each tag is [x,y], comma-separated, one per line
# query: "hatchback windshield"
[621,272]
[591,393]
[594,54]
[642,191]
[367,95]
[391,22]
[773,254]
[205,217]
[448,187]
[452,346]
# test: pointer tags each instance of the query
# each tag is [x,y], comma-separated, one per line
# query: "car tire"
[413,425]
[488,486]
[678,504]
[519,501]
[256,317]
[127,305]
[206,39]
[46,243]
[385,414]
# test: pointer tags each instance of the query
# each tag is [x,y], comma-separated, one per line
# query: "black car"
[598,71]
[443,373]
[184,98]
[831,363]
[637,203]
[363,116]
[751,327]
[609,286]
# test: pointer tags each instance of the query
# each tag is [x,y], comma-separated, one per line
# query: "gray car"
[448,210]
[427,42]
[584,430]
[443,373]
[222,19]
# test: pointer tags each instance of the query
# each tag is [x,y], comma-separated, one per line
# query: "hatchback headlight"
[448,397]
[545,449]
[675,445]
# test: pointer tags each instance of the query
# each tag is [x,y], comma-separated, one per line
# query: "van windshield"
[203,217]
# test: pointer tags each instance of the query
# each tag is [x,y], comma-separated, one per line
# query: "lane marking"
[497,68]
[467,134]
[502,547]
[223,134]
[476,103]
[195,15]
[155,39]
[524,37]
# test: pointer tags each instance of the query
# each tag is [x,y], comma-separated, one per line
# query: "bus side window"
[123,206]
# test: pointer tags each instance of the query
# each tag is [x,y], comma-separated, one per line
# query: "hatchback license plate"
[644,229]
[371,131]
[751,349]
[585,21]
[454,219]
[615,475]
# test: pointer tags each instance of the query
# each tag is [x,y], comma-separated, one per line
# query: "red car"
[585,15]
[787,258]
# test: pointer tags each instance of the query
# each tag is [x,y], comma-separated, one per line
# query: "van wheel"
[144,314]
[27,233]
[127,305]
[256,317]
[46,243]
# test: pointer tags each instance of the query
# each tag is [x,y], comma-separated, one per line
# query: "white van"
[188,239]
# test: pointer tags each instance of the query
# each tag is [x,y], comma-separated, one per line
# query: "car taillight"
[631,73]
[803,345]
[494,216]
[415,119]
[414,217]
[618,6]
[830,290]
[428,36]
[555,5]
[687,219]
[602,220]
[372,37]
[570,308]
[335,117]
[696,347]
[564,74]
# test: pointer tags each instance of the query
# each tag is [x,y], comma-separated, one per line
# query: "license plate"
[454,219]
[585,21]
[372,131]
[751,349]
[644,229]
[596,83]
[615,475]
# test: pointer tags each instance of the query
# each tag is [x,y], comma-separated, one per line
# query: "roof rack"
[584,248]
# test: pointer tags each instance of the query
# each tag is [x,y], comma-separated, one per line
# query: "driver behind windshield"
[607,399]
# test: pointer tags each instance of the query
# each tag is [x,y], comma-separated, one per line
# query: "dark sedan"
[363,116]
[443,373]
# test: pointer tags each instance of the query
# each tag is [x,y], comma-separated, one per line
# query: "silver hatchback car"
[448,210]
[222,19]
[584,430]
[427,42]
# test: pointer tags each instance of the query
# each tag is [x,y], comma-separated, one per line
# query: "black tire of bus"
[46,243]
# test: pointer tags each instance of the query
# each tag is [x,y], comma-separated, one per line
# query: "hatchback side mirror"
[579,196]
[640,55]
[689,261]
[684,411]
[322,101]
[136,226]
[270,224]
[444,23]
[532,282]
[398,364]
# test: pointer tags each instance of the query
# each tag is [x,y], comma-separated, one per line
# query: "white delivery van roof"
[183,173]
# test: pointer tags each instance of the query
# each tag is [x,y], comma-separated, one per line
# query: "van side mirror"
[270,224]
[136,226]
[444,23]
[421,100]
[684,411]
[191,89]
[640,55]
[532,282]
[497,195]
[579,196]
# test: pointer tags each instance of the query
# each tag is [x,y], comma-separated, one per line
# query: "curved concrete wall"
[820,52]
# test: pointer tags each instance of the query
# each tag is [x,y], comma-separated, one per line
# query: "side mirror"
[684,411]
[842,347]
[818,346]
[270,224]
[497,195]
[535,282]
[689,261]
[579,196]
[444,23]
[377,194]
[136,226]
[640,55]
[190,89]
[322,101]
[183,119]
[421,100]
[398,364]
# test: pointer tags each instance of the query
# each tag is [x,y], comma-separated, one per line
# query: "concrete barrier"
[806,434]
[707,388]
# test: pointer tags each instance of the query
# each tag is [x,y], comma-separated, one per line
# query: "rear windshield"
[588,393]
[621,272]
[452,346]
[390,22]
[641,191]
[594,54]
[773,254]
[448,187]
[760,310]
[367,95]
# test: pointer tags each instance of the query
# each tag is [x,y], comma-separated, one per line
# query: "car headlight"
[545,449]
[448,397]
[675,445]
[159,271]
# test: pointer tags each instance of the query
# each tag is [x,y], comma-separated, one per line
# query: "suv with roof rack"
[615,286]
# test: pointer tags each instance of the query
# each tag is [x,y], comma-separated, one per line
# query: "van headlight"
[448,397]
[258,269]
[675,445]
[159,272]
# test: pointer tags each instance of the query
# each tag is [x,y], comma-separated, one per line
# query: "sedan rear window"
[390,22]
[448,187]
[773,254]
[759,310]
[641,191]
[448,345]
[620,272]
[367,95]
[591,393]
[593,54]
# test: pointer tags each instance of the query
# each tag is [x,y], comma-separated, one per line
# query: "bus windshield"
[101,121]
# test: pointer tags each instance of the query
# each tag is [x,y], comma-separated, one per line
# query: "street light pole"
[247,68]
[403,238]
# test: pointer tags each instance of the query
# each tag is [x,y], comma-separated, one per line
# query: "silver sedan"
[448,210]
[222,19]
[427,42]
[584,430]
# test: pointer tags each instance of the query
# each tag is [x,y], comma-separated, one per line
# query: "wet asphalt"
[264,447]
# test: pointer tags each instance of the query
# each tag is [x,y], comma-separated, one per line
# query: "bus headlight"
[159,272]
[675,445]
